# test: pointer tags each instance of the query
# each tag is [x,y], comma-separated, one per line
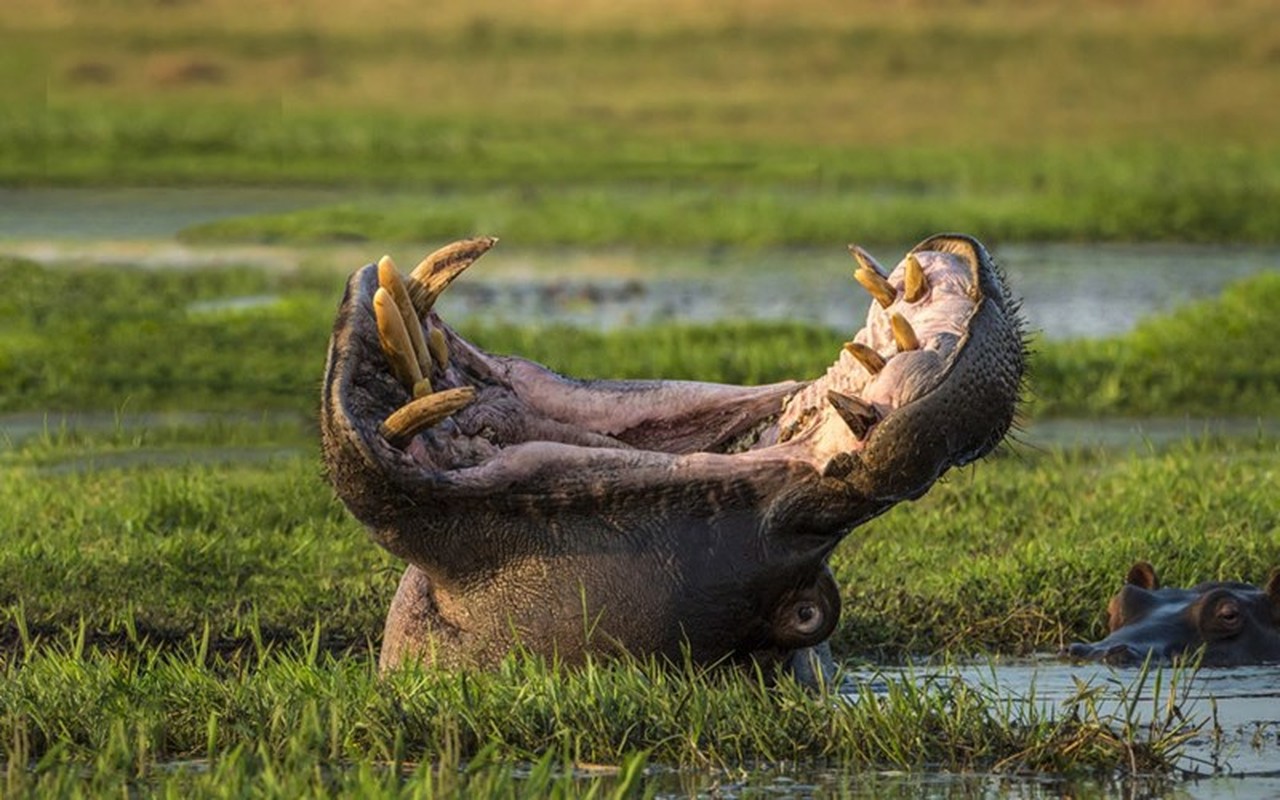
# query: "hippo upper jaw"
[650,516]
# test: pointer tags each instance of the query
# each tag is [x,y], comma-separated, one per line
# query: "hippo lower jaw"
[656,517]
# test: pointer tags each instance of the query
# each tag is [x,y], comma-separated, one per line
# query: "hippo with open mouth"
[675,519]
[1235,623]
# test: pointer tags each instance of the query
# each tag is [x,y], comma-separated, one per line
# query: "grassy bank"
[222,611]
[664,123]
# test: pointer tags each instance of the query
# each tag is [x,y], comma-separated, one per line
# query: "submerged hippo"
[1235,623]
[662,518]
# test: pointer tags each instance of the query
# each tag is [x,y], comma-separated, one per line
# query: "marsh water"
[1070,291]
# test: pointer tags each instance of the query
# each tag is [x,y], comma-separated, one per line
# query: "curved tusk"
[417,415]
[395,341]
[867,262]
[434,274]
[389,279]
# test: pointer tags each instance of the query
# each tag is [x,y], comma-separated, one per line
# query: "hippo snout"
[1117,655]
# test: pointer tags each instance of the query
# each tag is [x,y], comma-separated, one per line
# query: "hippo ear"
[1143,575]
[1273,592]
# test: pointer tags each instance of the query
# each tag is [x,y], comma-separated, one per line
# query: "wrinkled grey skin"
[666,518]
[1236,624]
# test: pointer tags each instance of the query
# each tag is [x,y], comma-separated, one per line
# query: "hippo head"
[668,518]
[1234,623]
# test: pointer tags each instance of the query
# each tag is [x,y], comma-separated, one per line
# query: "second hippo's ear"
[1144,575]
[1273,593]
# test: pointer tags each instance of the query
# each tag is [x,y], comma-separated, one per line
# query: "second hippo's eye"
[1223,617]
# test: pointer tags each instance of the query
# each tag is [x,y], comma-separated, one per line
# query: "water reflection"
[1235,751]
[1070,290]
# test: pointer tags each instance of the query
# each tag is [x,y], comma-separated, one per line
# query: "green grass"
[1085,194]
[667,125]
[286,718]
[224,613]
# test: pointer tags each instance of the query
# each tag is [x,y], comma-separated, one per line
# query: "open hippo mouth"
[657,517]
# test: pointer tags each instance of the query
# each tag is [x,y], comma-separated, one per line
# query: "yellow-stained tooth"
[903,333]
[389,279]
[869,358]
[395,339]
[865,261]
[434,274]
[417,415]
[858,415]
[439,347]
[877,286]
[916,284]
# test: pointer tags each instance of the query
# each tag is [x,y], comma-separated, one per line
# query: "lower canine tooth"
[417,415]
[865,261]
[859,416]
[903,333]
[869,358]
[389,279]
[434,274]
[395,339]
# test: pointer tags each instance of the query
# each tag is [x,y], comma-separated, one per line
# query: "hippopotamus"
[675,520]
[1235,623]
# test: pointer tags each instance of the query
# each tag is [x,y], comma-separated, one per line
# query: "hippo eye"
[808,617]
[1224,618]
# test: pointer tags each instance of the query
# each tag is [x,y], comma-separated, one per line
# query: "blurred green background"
[665,121]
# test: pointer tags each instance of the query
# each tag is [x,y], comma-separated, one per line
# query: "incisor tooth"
[903,333]
[916,284]
[877,286]
[439,348]
[389,279]
[434,274]
[395,339]
[868,263]
[417,415]
[869,358]
[858,415]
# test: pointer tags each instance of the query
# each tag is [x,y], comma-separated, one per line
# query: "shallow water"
[1069,290]
[1235,712]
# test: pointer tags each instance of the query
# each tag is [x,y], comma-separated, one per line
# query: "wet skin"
[668,518]
[1236,624]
